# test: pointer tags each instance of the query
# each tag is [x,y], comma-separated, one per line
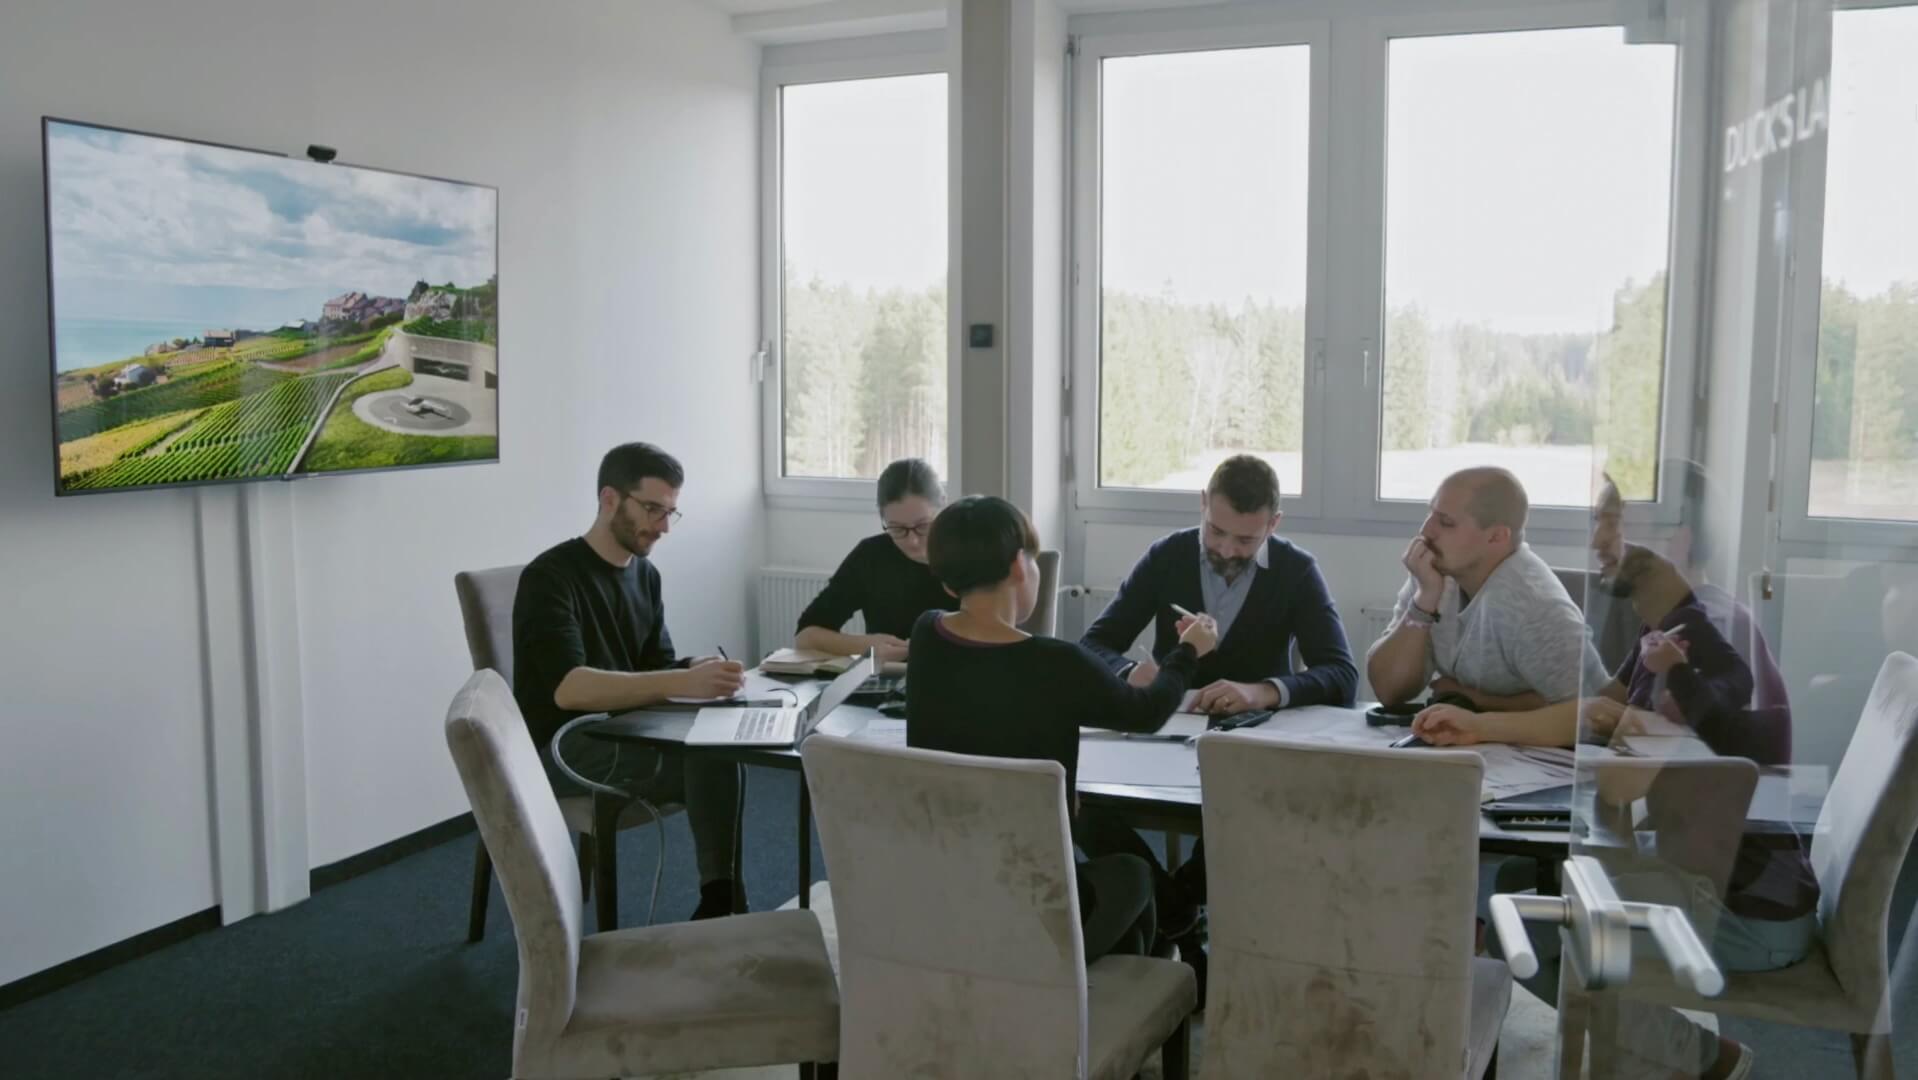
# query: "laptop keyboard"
[756,724]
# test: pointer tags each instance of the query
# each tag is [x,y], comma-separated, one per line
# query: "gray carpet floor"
[373,978]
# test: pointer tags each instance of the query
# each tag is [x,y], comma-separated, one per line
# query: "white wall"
[622,138]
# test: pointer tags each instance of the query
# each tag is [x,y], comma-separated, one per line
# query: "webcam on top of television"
[322,154]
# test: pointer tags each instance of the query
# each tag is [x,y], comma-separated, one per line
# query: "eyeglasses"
[900,532]
[655,512]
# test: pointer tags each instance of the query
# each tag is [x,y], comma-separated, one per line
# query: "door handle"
[1510,913]
[1598,930]
[1690,961]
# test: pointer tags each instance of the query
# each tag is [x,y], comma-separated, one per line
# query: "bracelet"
[1418,616]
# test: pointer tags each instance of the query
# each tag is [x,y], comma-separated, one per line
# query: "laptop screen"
[837,691]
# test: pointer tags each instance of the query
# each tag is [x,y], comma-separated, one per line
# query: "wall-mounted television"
[222,315]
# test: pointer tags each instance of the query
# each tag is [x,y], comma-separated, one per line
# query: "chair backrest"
[1044,621]
[1341,883]
[1613,623]
[1696,807]
[532,852]
[1865,830]
[486,607]
[957,905]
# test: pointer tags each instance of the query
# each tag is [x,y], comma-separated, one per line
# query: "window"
[862,275]
[1527,226]
[1864,430]
[1205,162]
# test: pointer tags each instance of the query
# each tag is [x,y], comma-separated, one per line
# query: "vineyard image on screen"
[223,314]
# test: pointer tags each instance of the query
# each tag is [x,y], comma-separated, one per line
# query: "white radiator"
[782,594]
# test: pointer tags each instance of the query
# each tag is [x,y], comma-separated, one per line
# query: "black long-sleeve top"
[574,609]
[1027,699]
[878,579]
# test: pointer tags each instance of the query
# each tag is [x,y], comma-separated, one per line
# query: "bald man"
[1480,611]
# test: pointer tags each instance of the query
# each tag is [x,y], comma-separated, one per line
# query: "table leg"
[605,860]
[805,843]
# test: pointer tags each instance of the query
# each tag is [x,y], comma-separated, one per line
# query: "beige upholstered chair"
[486,607]
[1044,621]
[1341,884]
[1859,846]
[960,953]
[720,993]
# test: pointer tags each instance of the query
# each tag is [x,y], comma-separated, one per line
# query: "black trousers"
[1115,906]
[1099,832]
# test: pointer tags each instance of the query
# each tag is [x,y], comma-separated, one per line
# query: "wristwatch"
[1418,616]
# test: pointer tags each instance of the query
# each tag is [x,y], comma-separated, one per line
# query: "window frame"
[1086,215]
[1797,382]
[1345,304]
[916,53]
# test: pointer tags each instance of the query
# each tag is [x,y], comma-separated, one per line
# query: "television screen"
[225,315]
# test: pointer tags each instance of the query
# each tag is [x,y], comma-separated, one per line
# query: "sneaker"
[720,898]
[1181,922]
[1742,1068]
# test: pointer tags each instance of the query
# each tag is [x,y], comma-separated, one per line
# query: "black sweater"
[1026,699]
[575,609]
[878,579]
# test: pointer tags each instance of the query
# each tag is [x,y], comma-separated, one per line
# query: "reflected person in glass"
[1685,681]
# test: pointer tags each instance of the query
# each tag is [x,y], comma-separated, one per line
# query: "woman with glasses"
[885,577]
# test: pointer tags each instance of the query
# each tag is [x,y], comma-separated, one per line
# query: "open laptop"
[776,727]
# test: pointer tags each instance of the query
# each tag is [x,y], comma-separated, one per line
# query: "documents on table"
[1511,771]
[805,662]
[814,662]
[1168,759]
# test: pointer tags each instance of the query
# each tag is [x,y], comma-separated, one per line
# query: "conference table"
[1151,780]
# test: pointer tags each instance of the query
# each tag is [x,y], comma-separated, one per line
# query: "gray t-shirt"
[1521,632]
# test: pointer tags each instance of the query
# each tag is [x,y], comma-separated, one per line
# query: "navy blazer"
[1288,601]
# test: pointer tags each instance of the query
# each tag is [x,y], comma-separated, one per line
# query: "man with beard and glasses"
[1684,676]
[1480,610]
[589,635]
[1266,594]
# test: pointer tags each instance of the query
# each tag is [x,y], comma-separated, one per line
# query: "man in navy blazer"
[1265,593]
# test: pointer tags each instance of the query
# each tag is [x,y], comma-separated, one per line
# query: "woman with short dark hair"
[885,578]
[977,684]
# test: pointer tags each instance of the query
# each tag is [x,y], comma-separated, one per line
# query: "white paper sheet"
[1115,759]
